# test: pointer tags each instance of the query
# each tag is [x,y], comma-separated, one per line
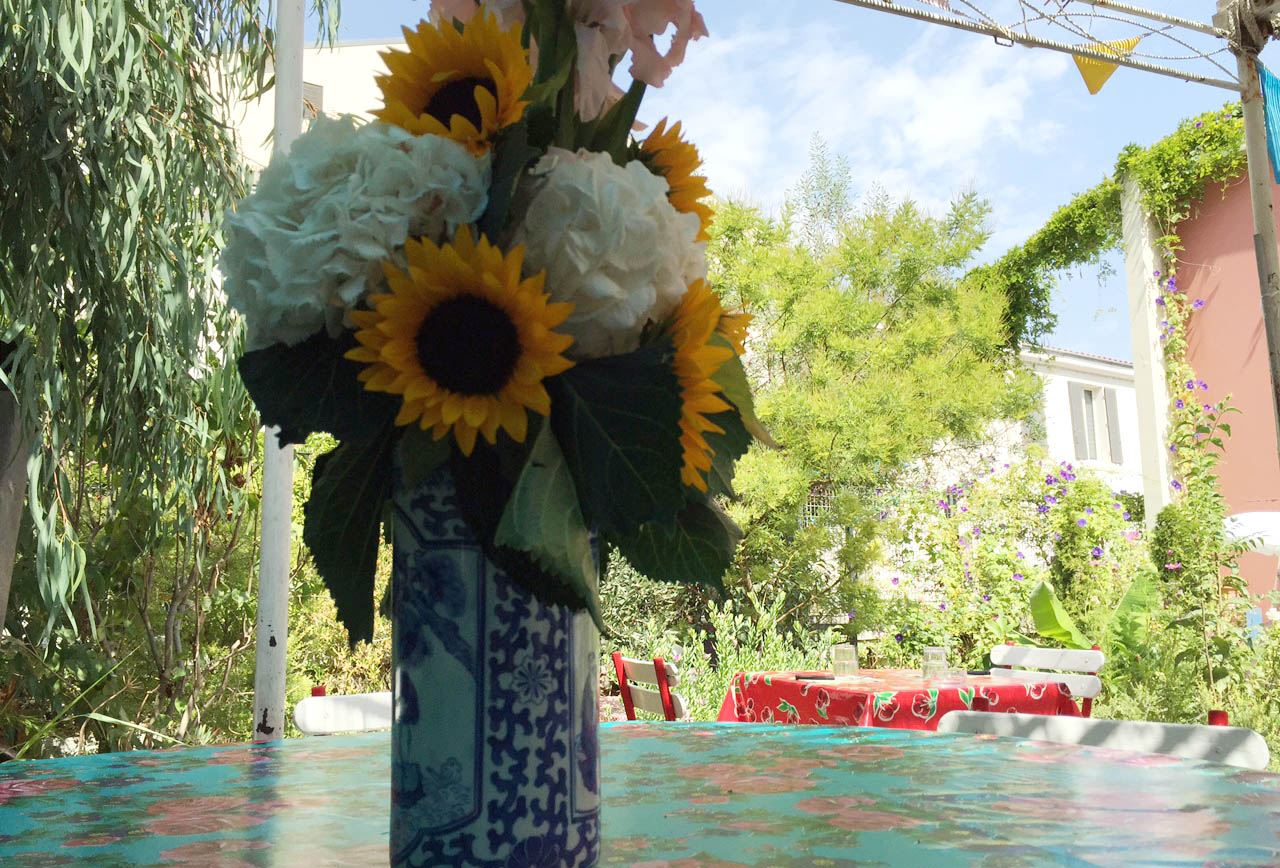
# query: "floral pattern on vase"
[496,709]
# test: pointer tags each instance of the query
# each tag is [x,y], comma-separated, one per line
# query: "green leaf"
[697,547]
[726,449]
[484,483]
[612,132]
[512,153]
[310,387]
[420,453]
[732,380]
[543,518]
[618,421]
[1052,621]
[340,525]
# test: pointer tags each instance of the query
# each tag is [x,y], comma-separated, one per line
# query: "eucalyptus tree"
[117,162]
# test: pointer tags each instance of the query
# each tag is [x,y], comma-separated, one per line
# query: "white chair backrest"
[1086,686]
[1231,745]
[358,712]
[649,698]
[1066,659]
[1037,660]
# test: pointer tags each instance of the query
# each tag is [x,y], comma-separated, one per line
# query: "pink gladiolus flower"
[649,18]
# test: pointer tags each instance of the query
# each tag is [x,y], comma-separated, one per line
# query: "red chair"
[633,675]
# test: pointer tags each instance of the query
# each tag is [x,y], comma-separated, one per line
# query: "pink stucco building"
[1227,347]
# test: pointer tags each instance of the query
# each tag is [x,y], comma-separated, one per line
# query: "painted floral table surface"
[896,698]
[676,796]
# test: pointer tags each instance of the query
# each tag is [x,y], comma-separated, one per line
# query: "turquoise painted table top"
[676,796]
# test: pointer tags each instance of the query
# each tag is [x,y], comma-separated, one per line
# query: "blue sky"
[923,111]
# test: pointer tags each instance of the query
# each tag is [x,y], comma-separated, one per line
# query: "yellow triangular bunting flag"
[1096,72]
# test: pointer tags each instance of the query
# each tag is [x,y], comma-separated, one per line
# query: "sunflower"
[733,328]
[697,361]
[463,339]
[677,160]
[464,85]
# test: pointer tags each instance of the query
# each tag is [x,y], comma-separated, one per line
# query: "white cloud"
[926,124]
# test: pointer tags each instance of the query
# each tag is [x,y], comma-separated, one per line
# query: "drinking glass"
[934,664]
[844,659]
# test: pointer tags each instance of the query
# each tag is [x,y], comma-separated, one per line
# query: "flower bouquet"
[494,297]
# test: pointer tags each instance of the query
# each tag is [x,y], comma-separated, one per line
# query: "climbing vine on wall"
[1189,545]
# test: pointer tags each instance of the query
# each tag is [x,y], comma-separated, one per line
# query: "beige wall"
[1227,347]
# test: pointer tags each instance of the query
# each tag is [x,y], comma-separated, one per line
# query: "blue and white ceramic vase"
[494,760]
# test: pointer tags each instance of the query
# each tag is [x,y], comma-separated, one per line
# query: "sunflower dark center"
[458,97]
[468,345]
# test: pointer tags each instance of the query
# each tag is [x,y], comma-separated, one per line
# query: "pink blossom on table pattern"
[862,753]
[790,777]
[204,815]
[222,852]
[34,787]
[850,812]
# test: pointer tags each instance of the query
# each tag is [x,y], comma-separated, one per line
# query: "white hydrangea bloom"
[311,239]
[611,244]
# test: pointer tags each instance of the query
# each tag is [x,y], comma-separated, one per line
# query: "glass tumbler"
[844,659]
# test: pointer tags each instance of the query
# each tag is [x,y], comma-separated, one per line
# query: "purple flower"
[1155,274]
[986,598]
[1051,480]
[1021,556]
[1160,300]
[1049,498]
[1207,408]
[1199,124]
[1173,284]
[1017,577]
[895,580]
[1115,506]
[1042,508]
[1179,403]
[1191,384]
[1088,510]
[942,504]
[1173,447]
[977,530]
[1126,515]
[1082,522]
[1164,324]
[898,638]
[1176,565]
[1177,486]
[1057,536]
[1197,304]
[1204,387]
[1096,551]
[964,509]
[942,607]
[1164,337]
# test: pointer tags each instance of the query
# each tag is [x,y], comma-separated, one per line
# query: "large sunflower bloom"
[697,361]
[677,160]
[464,85]
[463,339]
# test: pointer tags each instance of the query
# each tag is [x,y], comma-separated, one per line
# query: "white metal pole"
[277,466]
[1264,217]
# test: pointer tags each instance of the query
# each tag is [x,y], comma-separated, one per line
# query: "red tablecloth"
[896,698]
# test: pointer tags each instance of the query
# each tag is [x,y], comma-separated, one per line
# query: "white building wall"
[345,73]
[1057,370]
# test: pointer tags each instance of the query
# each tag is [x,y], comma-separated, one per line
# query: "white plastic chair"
[1037,661]
[1231,745]
[357,712]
